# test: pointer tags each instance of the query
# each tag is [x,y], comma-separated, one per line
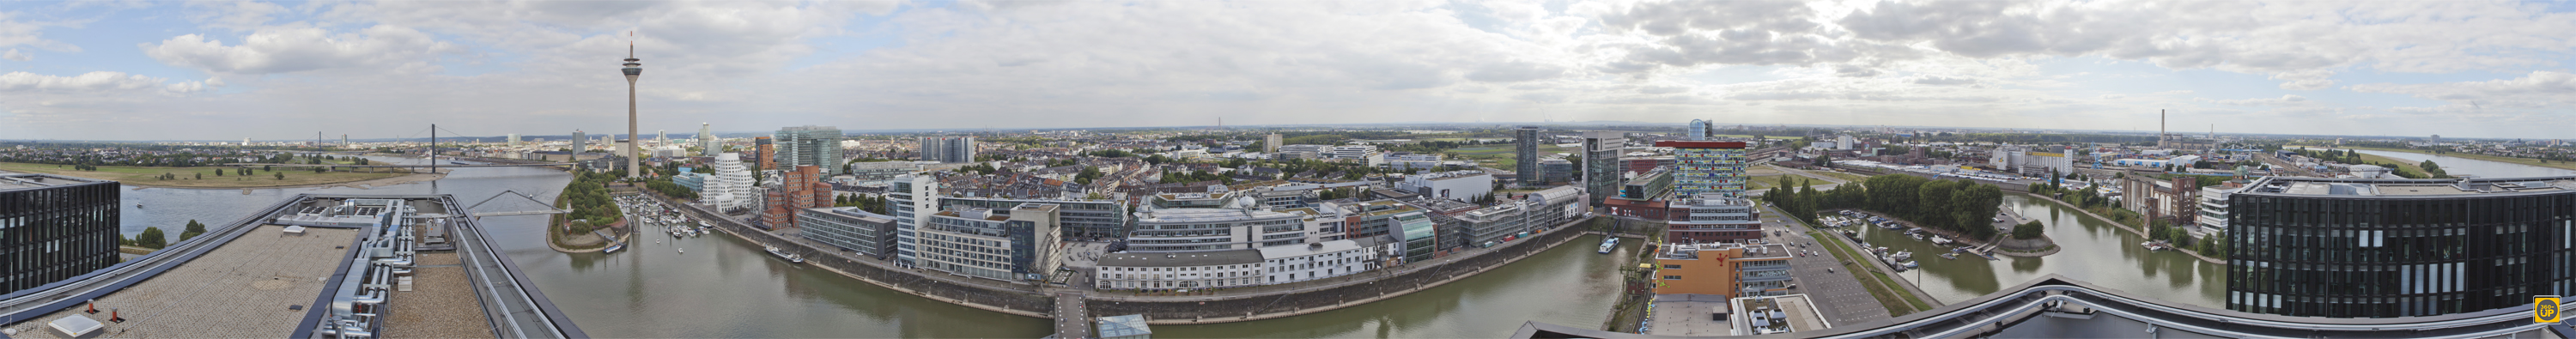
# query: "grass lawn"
[2525,161]
[150,176]
[1840,175]
[1764,182]
[1501,156]
[2403,165]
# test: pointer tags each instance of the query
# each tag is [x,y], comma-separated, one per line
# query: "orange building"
[766,153]
[1723,269]
[796,189]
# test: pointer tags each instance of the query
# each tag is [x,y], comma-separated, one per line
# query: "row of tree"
[1960,206]
[587,197]
[863,202]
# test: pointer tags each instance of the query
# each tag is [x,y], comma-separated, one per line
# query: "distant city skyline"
[371,70]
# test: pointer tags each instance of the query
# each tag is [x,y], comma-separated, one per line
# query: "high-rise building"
[948,149]
[1700,130]
[514,140]
[730,189]
[1270,143]
[2379,248]
[1707,167]
[1525,152]
[794,190]
[764,153]
[662,137]
[707,145]
[1601,170]
[911,196]
[818,146]
[54,228]
[580,142]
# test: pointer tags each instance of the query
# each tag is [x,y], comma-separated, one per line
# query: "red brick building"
[797,189]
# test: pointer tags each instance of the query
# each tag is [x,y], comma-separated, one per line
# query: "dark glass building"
[2377,248]
[54,228]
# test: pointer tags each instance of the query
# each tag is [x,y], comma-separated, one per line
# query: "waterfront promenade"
[1264,302]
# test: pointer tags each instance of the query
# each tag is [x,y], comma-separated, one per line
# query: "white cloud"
[101,81]
[2537,90]
[287,50]
[14,55]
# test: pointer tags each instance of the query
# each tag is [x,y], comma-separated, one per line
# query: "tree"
[280,176]
[202,176]
[2027,230]
[194,229]
[577,227]
[151,238]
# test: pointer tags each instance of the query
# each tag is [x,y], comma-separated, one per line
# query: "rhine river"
[727,287]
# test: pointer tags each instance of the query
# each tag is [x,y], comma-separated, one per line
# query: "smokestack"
[2160,128]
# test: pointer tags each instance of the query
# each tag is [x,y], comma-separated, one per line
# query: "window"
[1672,277]
[1672,266]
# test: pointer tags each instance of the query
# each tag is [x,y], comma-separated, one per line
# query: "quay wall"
[1025,301]
[1034,301]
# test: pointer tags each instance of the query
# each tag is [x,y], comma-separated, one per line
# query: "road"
[1836,293]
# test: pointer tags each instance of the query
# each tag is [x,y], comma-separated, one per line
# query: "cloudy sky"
[153,70]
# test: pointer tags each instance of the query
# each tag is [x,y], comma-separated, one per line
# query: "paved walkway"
[1072,320]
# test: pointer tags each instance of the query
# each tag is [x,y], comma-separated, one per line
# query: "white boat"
[682,250]
[1910,264]
[1949,256]
[612,248]
[1609,244]
[1940,241]
[773,250]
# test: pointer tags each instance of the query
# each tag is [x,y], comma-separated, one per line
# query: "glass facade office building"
[54,228]
[2365,248]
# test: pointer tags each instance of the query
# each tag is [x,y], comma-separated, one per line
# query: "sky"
[211,70]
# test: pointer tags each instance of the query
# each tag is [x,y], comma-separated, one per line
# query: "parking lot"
[1836,293]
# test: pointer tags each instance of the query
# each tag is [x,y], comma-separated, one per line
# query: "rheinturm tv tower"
[633,164]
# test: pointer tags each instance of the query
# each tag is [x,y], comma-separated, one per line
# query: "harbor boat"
[1918,236]
[2155,246]
[1910,265]
[612,248]
[773,250]
[1949,256]
[1901,256]
[1609,244]
[1940,241]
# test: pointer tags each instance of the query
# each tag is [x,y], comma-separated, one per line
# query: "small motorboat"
[612,248]
[1949,256]
[1609,244]
[682,250]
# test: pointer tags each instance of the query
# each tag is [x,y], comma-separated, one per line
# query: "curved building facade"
[2377,248]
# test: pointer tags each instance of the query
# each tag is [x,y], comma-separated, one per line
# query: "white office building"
[1302,151]
[730,189]
[1237,268]
[1464,186]
[2213,209]
[1215,229]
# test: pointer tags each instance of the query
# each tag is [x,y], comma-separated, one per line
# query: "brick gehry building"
[796,189]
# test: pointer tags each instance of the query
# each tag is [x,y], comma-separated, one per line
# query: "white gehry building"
[731,187]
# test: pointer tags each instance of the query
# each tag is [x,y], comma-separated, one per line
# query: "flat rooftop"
[20,181]
[240,290]
[1171,215]
[2409,187]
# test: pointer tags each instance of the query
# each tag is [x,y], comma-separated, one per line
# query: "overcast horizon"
[138,70]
